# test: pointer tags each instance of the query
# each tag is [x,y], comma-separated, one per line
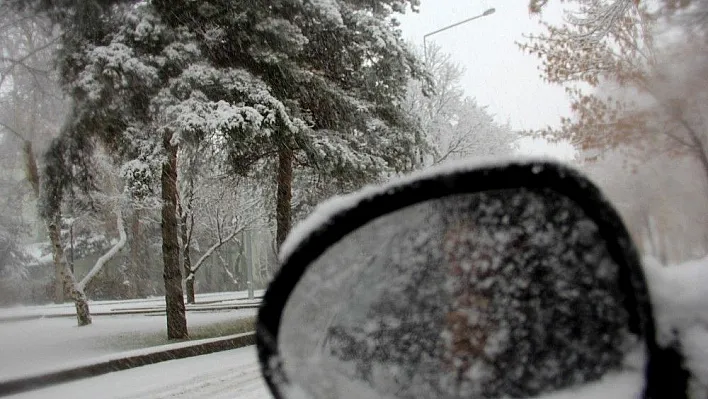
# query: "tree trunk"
[703,157]
[31,169]
[66,278]
[248,255]
[136,266]
[58,279]
[32,174]
[190,291]
[284,180]
[186,255]
[174,299]
[700,151]
[208,281]
[187,259]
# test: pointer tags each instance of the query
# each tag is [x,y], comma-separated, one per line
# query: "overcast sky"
[497,73]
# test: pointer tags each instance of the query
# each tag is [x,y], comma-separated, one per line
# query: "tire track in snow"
[232,382]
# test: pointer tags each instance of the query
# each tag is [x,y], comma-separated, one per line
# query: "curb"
[126,360]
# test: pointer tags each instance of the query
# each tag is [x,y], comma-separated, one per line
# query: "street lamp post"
[425,44]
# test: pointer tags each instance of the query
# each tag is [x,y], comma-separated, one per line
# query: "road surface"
[224,375]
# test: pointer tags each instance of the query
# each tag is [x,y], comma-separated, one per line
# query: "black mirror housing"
[664,375]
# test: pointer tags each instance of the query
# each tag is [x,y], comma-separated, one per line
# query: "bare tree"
[455,125]
[216,210]
[660,201]
[32,106]
[636,79]
[637,75]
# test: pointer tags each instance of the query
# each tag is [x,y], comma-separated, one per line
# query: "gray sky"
[497,73]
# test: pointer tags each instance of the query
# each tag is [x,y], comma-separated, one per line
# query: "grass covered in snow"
[105,306]
[223,375]
[31,346]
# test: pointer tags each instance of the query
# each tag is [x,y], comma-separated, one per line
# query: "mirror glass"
[507,293]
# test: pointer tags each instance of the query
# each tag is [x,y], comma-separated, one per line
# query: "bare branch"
[21,61]
[108,255]
[211,250]
[228,272]
[13,131]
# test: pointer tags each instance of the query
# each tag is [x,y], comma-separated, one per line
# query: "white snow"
[152,303]
[118,356]
[678,289]
[615,386]
[36,345]
[224,375]
[329,11]
[33,346]
[39,252]
[236,374]
[679,297]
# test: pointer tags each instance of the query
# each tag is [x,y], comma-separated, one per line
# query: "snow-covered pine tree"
[143,90]
[339,66]
[320,83]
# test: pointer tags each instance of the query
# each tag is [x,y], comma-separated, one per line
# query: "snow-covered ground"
[236,374]
[224,375]
[679,293]
[31,346]
[680,298]
[215,299]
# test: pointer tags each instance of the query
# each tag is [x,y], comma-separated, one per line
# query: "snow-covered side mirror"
[469,281]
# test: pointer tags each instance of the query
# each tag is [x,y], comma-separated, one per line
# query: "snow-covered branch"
[211,250]
[108,255]
[225,265]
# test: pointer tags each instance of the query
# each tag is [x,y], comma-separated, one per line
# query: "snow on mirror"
[508,293]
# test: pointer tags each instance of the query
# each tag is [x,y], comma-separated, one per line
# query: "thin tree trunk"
[31,169]
[83,315]
[187,260]
[191,295]
[284,180]
[187,269]
[225,266]
[32,174]
[58,280]
[188,266]
[135,264]
[699,148]
[172,275]
[248,254]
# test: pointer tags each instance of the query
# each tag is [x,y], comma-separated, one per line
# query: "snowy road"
[230,374]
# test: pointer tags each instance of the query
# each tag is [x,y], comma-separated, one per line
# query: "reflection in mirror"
[507,293]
